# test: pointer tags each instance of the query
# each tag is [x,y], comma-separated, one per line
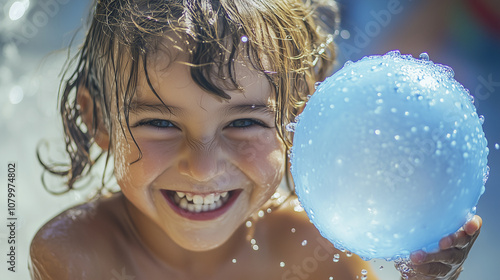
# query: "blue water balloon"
[389,156]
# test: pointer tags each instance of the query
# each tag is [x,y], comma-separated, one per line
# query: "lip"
[202,216]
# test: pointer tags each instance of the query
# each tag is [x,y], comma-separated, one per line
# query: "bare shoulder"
[305,253]
[66,247]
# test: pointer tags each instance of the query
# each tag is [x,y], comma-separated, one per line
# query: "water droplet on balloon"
[291,127]
[424,56]
[395,53]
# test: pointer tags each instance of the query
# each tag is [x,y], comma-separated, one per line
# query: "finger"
[459,239]
[464,237]
[474,225]
[432,269]
[453,256]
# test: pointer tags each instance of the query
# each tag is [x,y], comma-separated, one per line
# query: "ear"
[86,108]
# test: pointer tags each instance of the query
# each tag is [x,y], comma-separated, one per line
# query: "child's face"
[224,155]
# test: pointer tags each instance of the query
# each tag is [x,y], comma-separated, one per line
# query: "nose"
[203,162]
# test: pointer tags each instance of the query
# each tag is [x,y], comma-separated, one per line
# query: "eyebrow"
[138,107]
[249,108]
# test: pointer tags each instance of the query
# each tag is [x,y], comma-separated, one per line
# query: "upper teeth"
[198,203]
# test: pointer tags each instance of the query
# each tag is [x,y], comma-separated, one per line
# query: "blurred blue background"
[34,36]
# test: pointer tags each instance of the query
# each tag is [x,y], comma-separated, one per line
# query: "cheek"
[263,158]
[138,168]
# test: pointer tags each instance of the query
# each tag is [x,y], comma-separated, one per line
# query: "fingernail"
[417,257]
[445,243]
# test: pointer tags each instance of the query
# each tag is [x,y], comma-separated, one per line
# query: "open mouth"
[199,206]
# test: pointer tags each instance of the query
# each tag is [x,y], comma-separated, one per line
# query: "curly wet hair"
[288,41]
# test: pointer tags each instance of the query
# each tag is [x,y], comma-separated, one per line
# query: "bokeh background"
[34,40]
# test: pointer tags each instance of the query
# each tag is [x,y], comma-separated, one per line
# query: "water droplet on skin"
[304,243]
[253,241]
[293,230]
[234,260]
[336,258]
[331,278]
[364,271]
[261,213]
[255,247]
[282,264]
[248,224]
[424,56]
[348,254]
[364,277]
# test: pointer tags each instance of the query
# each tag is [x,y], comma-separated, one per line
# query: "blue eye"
[158,123]
[246,123]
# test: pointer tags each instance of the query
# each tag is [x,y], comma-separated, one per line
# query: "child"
[190,100]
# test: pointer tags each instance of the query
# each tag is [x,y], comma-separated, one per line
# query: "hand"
[447,262]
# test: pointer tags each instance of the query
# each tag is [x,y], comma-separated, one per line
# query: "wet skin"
[203,145]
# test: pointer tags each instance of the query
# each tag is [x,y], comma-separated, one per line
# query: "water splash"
[403,265]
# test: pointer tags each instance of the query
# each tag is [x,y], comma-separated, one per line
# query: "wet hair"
[288,41]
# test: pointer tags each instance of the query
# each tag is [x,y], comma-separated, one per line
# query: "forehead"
[168,69]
